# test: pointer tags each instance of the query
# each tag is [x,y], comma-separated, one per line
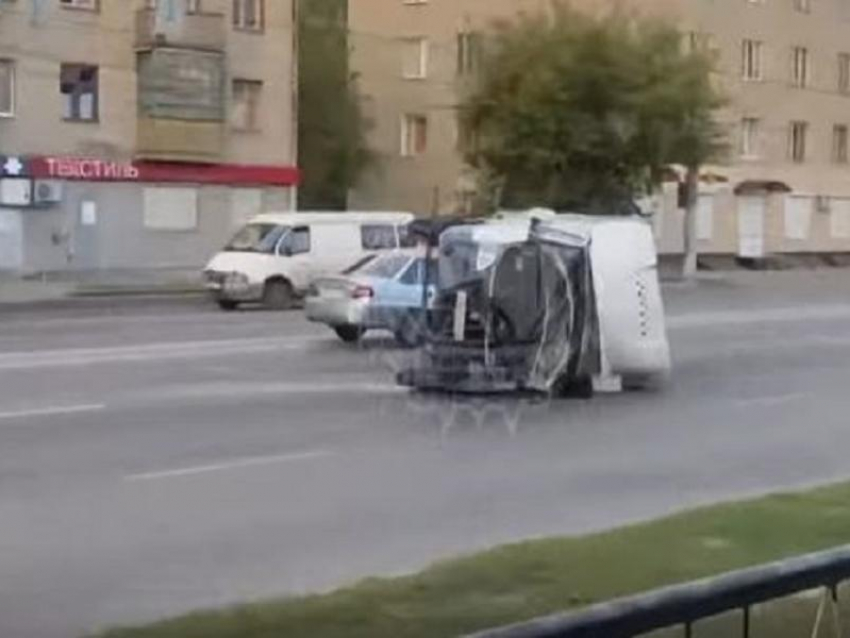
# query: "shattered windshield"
[464,261]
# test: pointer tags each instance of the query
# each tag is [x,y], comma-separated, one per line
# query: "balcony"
[181,105]
[202,31]
[179,140]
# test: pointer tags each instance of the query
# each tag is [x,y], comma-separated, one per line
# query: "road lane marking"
[771,400]
[152,352]
[230,465]
[239,390]
[52,411]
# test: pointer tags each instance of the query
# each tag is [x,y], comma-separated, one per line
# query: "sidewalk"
[53,287]
[774,287]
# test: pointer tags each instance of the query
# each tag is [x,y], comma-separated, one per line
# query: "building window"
[800,66]
[803,6]
[78,85]
[245,106]
[248,15]
[468,51]
[87,5]
[414,135]
[839,144]
[844,72]
[192,6]
[170,209]
[797,141]
[7,88]
[751,66]
[749,137]
[414,58]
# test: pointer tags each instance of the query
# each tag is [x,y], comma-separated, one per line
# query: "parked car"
[274,257]
[384,293]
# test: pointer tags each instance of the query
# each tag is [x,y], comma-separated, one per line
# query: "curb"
[100,293]
[101,301]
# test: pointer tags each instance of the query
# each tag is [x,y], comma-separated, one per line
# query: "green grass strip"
[521,581]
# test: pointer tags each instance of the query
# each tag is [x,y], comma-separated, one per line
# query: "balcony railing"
[179,140]
[203,31]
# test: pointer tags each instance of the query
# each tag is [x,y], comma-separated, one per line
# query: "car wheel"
[278,295]
[408,333]
[228,304]
[349,333]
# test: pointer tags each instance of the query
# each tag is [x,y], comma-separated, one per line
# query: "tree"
[574,111]
[332,149]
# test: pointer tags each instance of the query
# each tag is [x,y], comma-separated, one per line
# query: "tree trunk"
[689,267]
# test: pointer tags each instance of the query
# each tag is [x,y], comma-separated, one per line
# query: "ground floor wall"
[112,226]
[755,225]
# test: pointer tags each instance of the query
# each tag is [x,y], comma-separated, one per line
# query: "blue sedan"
[384,293]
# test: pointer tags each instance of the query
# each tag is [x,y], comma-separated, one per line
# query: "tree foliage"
[332,127]
[571,109]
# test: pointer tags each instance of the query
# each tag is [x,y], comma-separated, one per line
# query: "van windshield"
[257,238]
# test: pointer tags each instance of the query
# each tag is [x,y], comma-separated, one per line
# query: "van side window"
[296,242]
[406,238]
[378,237]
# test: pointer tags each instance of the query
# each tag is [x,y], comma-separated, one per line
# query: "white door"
[705,217]
[839,218]
[798,217]
[751,227]
[11,239]
[296,253]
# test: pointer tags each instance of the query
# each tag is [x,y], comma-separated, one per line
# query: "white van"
[275,256]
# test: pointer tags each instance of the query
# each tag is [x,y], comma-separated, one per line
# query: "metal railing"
[684,605]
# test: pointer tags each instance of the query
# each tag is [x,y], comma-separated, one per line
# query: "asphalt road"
[157,457]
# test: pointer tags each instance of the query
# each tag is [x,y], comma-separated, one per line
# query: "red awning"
[761,186]
[98,170]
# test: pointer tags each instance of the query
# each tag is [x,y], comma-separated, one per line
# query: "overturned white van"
[544,303]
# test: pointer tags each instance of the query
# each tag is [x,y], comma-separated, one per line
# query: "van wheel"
[573,388]
[228,304]
[349,333]
[642,383]
[278,295]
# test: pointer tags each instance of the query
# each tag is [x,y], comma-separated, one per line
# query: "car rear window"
[415,274]
[386,266]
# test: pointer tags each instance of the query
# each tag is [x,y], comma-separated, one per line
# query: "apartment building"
[785,65]
[139,133]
